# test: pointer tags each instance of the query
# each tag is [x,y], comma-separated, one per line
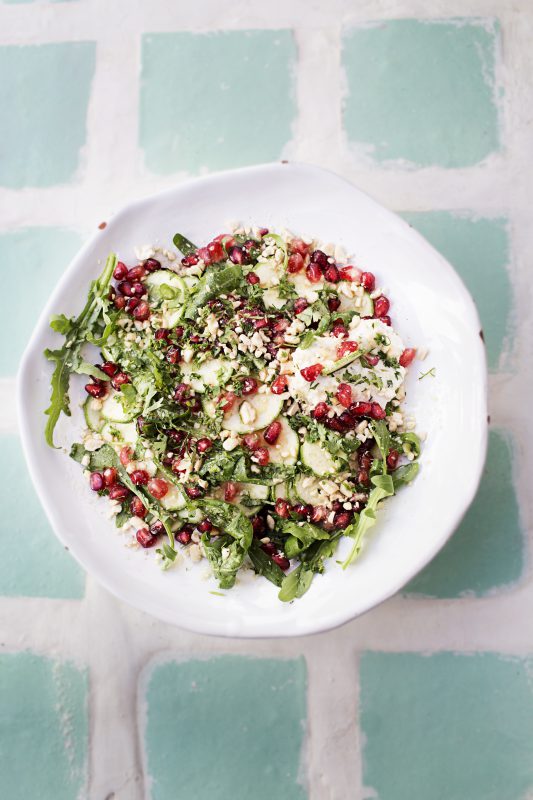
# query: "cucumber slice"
[177,288]
[308,490]
[92,410]
[174,499]
[113,410]
[214,372]
[267,272]
[304,287]
[124,432]
[318,459]
[266,408]
[366,309]
[272,299]
[256,491]
[287,446]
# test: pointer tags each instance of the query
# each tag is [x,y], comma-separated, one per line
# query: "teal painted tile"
[211,101]
[422,91]
[479,249]
[230,727]
[44,94]
[38,256]
[446,727]
[33,563]
[43,729]
[487,550]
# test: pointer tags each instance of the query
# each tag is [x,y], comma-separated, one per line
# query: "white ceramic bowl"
[430,308]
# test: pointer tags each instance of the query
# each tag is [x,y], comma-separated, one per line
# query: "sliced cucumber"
[287,446]
[176,286]
[113,410]
[125,432]
[285,490]
[256,491]
[214,372]
[318,459]
[265,408]
[366,309]
[174,499]
[92,410]
[308,490]
[304,287]
[272,299]
[268,274]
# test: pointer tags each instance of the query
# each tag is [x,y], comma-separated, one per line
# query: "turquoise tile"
[229,727]
[43,729]
[487,550]
[44,94]
[32,259]
[422,91]
[446,727]
[33,563]
[479,249]
[211,101]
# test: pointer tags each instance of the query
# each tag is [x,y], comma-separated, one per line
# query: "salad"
[247,406]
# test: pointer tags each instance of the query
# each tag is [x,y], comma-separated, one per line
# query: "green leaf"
[384,487]
[77,452]
[225,556]
[404,475]
[184,245]
[213,283]
[263,564]
[61,324]
[298,582]
[411,443]
[300,536]
[229,520]
[382,437]
[295,584]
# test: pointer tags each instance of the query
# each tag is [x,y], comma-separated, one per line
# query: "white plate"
[430,308]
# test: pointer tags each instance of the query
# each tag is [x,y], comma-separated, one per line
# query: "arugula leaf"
[76,331]
[167,554]
[221,466]
[229,520]
[384,487]
[213,283]
[301,536]
[412,441]
[312,563]
[382,437]
[317,312]
[404,475]
[225,564]
[263,564]
[295,584]
[184,245]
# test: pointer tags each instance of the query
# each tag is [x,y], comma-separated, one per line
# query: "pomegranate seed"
[226,239]
[281,325]
[97,481]
[157,487]
[238,255]
[157,528]
[313,273]
[228,401]
[125,288]
[231,491]
[136,273]
[347,347]
[203,445]
[334,303]
[381,306]
[194,492]
[260,323]
[181,392]
[96,389]
[205,526]
[362,477]
[152,264]
[137,508]
[368,281]
[320,410]
[371,361]
[299,246]
[118,492]
[386,320]
[392,459]
[262,232]
[332,274]
[110,476]
[131,304]
[365,460]
[258,526]
[145,538]
[311,373]
[282,562]
[251,441]
[249,386]
[216,252]
[139,477]
[303,510]
[252,278]
[194,405]
[279,385]
[119,302]
[142,312]
[204,254]
[300,305]
[120,271]
[339,330]
[295,263]
[125,456]
[282,508]
[407,357]
[249,245]
[109,368]
[190,260]
[183,536]
[138,289]
[162,333]
[347,421]
[269,548]
[361,409]
[344,395]
[378,412]
[334,424]
[320,258]
[119,380]
[261,456]
[342,520]
[173,355]
[319,514]
[350,273]
[272,433]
